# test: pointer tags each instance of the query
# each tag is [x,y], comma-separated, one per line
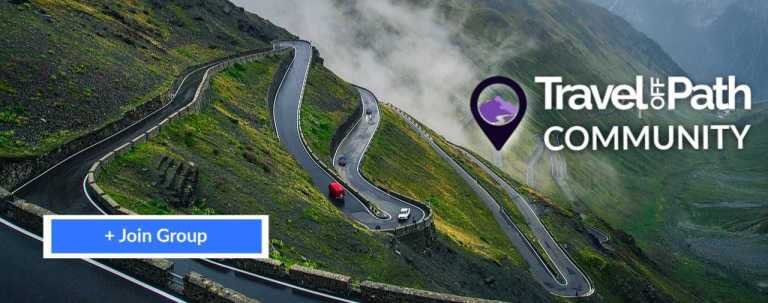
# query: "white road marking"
[88,196]
[100,265]
[113,135]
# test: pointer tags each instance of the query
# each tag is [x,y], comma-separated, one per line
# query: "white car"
[404,214]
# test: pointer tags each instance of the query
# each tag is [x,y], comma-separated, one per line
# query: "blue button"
[86,236]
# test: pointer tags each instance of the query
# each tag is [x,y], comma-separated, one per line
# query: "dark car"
[342,161]
[368,112]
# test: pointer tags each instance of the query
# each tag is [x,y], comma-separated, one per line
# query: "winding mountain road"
[288,126]
[62,190]
[354,146]
[576,283]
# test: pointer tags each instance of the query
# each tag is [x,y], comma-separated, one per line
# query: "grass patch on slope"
[499,194]
[328,102]
[400,160]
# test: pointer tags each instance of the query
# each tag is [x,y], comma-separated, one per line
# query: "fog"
[404,55]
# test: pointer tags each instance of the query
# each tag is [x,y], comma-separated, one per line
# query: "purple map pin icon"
[498,118]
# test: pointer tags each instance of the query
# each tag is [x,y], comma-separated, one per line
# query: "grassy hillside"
[719,210]
[243,169]
[328,103]
[400,160]
[620,271]
[71,66]
[698,214]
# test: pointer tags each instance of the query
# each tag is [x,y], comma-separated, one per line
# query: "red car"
[336,190]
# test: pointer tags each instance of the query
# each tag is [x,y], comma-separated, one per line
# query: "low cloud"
[405,55]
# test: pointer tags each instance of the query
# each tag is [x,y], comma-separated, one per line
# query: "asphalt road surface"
[576,282]
[353,148]
[61,190]
[27,277]
[286,115]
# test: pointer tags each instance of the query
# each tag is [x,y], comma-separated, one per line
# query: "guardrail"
[425,222]
[345,129]
[17,172]
[277,81]
[551,267]
[367,204]
[200,289]
[157,272]
[399,231]
[198,101]
[331,172]
[339,284]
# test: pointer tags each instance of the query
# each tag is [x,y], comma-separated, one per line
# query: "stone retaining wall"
[4,194]
[343,285]
[27,215]
[198,288]
[399,231]
[319,279]
[374,292]
[154,271]
[425,224]
[370,206]
[345,128]
[265,267]
[15,171]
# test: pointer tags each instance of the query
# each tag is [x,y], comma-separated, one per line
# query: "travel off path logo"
[498,116]
[498,105]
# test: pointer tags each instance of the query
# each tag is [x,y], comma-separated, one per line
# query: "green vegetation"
[328,102]
[620,272]
[498,193]
[699,215]
[400,160]
[243,169]
[74,66]
[619,269]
